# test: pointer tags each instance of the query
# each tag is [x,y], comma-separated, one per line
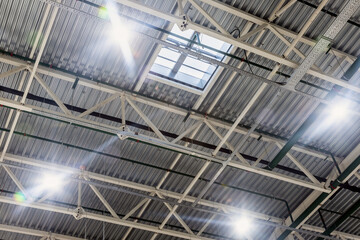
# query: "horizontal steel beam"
[14,104]
[135,186]
[171,146]
[155,103]
[98,217]
[227,8]
[141,187]
[221,160]
[36,233]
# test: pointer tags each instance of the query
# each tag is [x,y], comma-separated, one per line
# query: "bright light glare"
[52,182]
[242,225]
[338,111]
[119,31]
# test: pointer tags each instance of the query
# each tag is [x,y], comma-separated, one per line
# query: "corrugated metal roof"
[79,45]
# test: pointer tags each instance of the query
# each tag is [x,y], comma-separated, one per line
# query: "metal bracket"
[124,128]
[184,22]
[122,135]
[335,163]
[79,213]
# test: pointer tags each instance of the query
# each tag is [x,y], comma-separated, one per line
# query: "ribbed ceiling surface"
[81,46]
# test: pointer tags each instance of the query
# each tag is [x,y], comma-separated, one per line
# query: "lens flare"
[19,197]
[103,13]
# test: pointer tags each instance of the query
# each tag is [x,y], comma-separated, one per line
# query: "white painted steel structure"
[156,137]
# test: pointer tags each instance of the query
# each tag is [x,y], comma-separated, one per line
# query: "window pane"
[196,64]
[167,53]
[191,72]
[164,62]
[214,43]
[210,41]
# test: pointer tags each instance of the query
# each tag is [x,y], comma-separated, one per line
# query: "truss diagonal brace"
[239,118]
[132,211]
[53,95]
[300,166]
[253,32]
[100,104]
[12,71]
[147,120]
[283,39]
[231,147]
[102,199]
[281,9]
[17,182]
[187,131]
[177,216]
[208,17]
[186,192]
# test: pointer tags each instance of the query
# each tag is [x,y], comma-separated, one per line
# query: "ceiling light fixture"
[338,111]
[242,225]
[119,32]
[51,182]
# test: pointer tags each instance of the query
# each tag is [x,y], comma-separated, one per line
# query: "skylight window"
[214,43]
[167,58]
[186,34]
[203,66]
[185,69]
[193,72]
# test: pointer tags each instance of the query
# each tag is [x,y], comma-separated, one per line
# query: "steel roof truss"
[208,157]
[162,180]
[53,95]
[166,144]
[125,183]
[280,9]
[235,42]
